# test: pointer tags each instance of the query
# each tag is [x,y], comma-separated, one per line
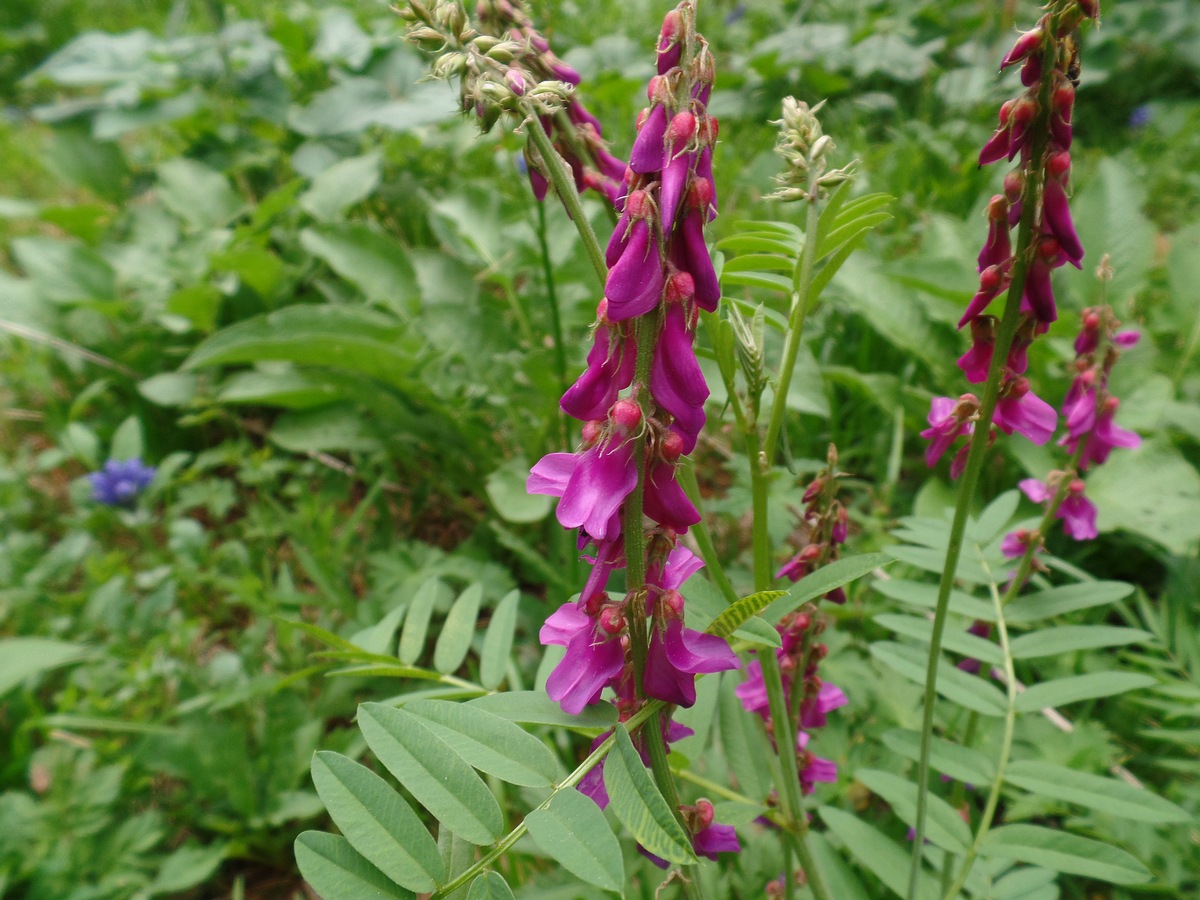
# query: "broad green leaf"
[1093,791]
[1025,883]
[416,624]
[488,742]
[24,657]
[1064,599]
[458,629]
[877,853]
[743,741]
[342,337]
[490,886]
[1063,852]
[1074,688]
[956,641]
[738,613]
[574,832]
[838,877]
[835,575]
[377,822]
[1068,638]
[506,489]
[535,708]
[498,641]
[370,260]
[960,763]
[432,772]
[1108,214]
[924,596]
[638,805]
[994,518]
[944,825]
[65,271]
[953,683]
[198,195]
[325,429]
[289,389]
[337,872]
[343,184]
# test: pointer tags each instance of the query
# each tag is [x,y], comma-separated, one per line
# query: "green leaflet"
[337,872]
[1094,791]
[877,853]
[377,822]
[454,639]
[488,742]
[432,772]
[638,805]
[498,641]
[1063,852]
[574,831]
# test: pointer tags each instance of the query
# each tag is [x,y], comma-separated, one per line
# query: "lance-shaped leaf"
[640,807]
[498,641]
[1074,688]
[337,872]
[1063,852]
[1093,791]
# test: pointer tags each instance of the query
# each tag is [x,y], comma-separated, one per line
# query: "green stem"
[1025,247]
[564,186]
[1010,722]
[686,476]
[509,840]
[801,301]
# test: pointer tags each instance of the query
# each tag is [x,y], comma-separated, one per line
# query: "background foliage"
[244,243]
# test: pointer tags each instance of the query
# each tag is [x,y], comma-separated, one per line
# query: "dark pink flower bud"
[976,362]
[681,129]
[681,287]
[998,247]
[1090,8]
[671,446]
[674,177]
[592,430]
[1057,215]
[672,604]
[670,41]
[611,620]
[1026,44]
[1031,71]
[626,414]
[1058,164]
[515,81]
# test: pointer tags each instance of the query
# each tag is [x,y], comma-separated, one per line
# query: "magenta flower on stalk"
[1092,434]
[1034,128]
[641,399]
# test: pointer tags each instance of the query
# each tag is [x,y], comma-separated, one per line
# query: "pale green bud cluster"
[805,148]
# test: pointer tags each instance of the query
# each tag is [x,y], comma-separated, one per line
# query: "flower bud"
[611,620]
[672,604]
[671,446]
[681,287]
[592,430]
[681,129]
[626,414]
[515,81]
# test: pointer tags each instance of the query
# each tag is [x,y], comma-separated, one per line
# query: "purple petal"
[564,624]
[584,672]
[551,473]
[647,152]
[693,651]
[674,177]
[676,381]
[635,283]
[716,839]
[603,478]
[1035,490]
[665,502]
[608,373]
[1079,517]
[696,261]
[1057,213]
[618,242]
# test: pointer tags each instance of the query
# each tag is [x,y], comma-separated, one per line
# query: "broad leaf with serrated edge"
[377,821]
[640,807]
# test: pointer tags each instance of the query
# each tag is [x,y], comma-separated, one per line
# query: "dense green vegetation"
[248,245]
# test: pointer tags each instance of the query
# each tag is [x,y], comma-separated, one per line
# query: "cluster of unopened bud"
[805,147]
[825,523]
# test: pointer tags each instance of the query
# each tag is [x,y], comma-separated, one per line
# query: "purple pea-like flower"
[592,485]
[675,657]
[635,283]
[1020,409]
[948,418]
[609,371]
[593,658]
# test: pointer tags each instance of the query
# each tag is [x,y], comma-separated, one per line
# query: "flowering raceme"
[1036,129]
[641,400]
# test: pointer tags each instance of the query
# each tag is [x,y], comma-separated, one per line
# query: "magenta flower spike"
[635,282]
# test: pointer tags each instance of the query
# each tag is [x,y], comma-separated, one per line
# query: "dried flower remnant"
[505,65]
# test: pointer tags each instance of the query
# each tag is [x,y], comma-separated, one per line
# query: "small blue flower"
[120,481]
[1140,117]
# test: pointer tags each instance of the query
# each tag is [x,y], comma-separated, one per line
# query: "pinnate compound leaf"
[490,886]
[498,641]
[573,831]
[640,807]
[377,822]
[535,708]
[454,640]
[740,612]
[1093,791]
[336,871]
[1065,599]
[877,853]
[432,772]
[1074,688]
[1068,638]
[953,683]
[960,763]
[945,828]
[488,742]
[1063,852]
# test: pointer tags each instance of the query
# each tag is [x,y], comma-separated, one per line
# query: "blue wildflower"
[120,481]
[1140,117]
